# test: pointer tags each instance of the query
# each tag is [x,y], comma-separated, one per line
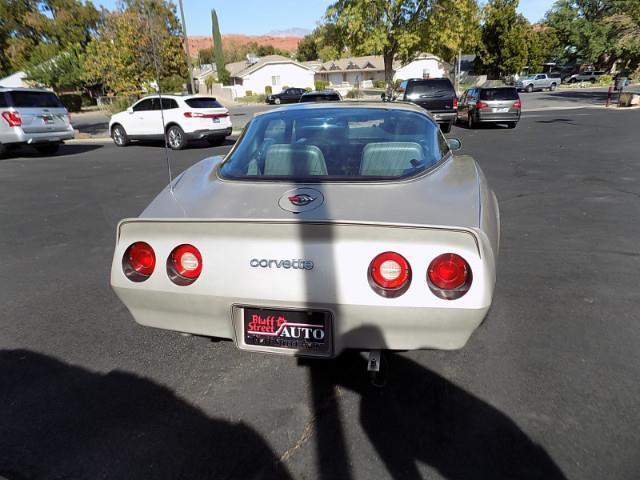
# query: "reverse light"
[12,118]
[184,265]
[449,276]
[389,274]
[138,261]
[480,105]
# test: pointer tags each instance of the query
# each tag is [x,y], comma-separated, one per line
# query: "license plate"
[500,110]
[288,331]
[216,120]
[47,119]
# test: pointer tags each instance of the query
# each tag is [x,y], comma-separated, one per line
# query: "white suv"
[32,117]
[186,118]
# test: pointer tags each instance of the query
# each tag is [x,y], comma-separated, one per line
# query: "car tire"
[176,138]
[552,87]
[277,101]
[512,124]
[446,127]
[470,123]
[119,136]
[529,88]
[47,148]
[592,81]
[216,141]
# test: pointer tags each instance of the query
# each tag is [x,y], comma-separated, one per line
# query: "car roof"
[176,96]
[24,89]
[401,106]
[321,92]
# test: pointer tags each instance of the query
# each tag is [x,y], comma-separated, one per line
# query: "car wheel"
[446,127]
[529,88]
[512,124]
[572,80]
[47,148]
[119,136]
[552,87]
[592,80]
[216,141]
[470,122]
[176,138]
[277,101]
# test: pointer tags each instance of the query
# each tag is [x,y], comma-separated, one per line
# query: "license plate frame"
[268,334]
[501,110]
[216,120]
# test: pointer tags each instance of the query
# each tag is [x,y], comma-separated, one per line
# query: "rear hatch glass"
[203,102]
[35,100]
[433,95]
[320,98]
[498,94]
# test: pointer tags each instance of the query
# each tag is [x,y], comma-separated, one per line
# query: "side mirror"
[454,144]
[130,110]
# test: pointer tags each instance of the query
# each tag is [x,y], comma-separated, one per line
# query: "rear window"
[3,100]
[498,94]
[203,102]
[330,97]
[430,87]
[320,144]
[35,100]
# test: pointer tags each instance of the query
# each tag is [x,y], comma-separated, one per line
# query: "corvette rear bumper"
[354,326]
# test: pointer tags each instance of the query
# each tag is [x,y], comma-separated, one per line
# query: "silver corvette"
[326,227]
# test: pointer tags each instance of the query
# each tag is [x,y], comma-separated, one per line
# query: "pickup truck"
[537,81]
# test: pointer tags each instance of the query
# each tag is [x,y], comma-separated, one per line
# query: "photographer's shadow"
[61,421]
[421,417]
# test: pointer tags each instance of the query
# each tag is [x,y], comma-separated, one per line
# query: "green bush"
[378,84]
[259,98]
[308,89]
[173,84]
[625,100]
[88,101]
[72,101]
[321,85]
[248,93]
[605,80]
[268,90]
[119,104]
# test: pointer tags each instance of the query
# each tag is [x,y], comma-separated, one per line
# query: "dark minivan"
[490,105]
[436,95]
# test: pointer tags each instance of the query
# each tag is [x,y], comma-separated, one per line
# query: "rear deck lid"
[40,112]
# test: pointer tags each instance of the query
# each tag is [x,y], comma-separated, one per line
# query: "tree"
[33,31]
[504,36]
[452,27]
[218,55]
[307,48]
[396,29]
[136,44]
[58,70]
[542,46]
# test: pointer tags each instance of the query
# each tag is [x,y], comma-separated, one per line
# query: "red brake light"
[12,118]
[139,261]
[449,276]
[389,274]
[184,264]
[480,105]
[205,115]
[455,103]
[517,104]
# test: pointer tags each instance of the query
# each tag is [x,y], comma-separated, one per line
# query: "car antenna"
[154,51]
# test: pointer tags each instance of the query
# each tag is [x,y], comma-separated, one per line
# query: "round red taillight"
[184,264]
[389,274]
[138,261]
[449,276]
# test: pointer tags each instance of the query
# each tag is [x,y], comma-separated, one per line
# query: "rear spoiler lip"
[278,221]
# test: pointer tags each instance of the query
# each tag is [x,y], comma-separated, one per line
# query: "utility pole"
[190,87]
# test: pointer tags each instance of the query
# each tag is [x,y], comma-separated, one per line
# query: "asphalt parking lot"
[547,388]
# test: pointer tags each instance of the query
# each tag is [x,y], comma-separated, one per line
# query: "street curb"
[108,139]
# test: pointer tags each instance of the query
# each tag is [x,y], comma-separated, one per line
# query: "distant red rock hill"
[199,42]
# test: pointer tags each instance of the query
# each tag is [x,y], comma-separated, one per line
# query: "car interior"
[339,147]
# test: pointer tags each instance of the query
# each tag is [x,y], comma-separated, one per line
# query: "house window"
[275,80]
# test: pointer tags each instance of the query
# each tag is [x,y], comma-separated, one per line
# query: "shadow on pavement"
[60,421]
[99,128]
[64,150]
[422,418]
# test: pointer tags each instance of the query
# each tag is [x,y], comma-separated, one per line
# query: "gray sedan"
[327,227]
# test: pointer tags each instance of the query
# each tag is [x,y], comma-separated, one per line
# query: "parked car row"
[476,105]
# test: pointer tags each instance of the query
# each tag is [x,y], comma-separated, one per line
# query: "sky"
[257,17]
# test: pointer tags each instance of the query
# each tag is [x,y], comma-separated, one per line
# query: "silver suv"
[32,117]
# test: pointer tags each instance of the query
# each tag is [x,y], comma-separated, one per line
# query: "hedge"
[71,101]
